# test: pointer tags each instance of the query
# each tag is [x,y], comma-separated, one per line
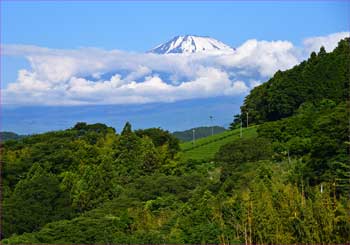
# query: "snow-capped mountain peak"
[191,44]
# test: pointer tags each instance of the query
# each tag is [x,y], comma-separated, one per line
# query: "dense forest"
[289,184]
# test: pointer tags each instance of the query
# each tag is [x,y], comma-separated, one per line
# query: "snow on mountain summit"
[191,44]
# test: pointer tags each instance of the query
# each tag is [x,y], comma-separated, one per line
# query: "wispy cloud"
[95,76]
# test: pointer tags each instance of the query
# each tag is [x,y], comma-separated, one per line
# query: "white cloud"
[329,42]
[72,77]
[262,56]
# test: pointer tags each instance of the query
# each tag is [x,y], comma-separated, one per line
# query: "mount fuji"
[191,44]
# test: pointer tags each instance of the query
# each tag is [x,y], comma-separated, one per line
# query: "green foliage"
[160,138]
[318,133]
[244,150]
[4,136]
[36,200]
[236,122]
[127,158]
[234,157]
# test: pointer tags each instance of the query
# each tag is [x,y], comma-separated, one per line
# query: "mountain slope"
[191,44]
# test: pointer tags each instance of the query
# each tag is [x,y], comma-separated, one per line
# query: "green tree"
[160,137]
[236,122]
[239,152]
[127,158]
[36,200]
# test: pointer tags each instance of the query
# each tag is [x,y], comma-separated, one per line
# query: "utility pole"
[193,136]
[240,134]
[247,119]
[212,127]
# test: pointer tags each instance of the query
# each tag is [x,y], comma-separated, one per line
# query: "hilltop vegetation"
[322,76]
[9,136]
[285,182]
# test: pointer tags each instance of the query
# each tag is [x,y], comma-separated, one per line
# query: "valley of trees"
[289,184]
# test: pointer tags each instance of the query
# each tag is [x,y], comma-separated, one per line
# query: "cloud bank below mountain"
[90,76]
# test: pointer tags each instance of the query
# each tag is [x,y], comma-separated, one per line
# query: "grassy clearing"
[205,148]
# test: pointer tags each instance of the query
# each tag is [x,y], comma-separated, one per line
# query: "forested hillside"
[286,182]
[322,76]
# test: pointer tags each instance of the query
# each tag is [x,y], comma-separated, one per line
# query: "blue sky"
[138,26]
